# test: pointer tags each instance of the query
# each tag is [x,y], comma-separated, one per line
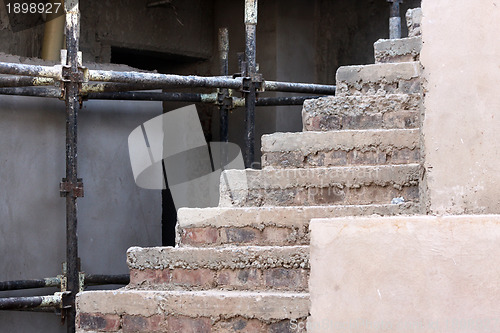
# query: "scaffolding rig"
[72,82]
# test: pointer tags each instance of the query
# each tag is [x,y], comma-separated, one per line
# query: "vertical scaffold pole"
[224,71]
[71,186]
[250,95]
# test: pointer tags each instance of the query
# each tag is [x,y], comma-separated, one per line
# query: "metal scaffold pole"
[251,72]
[71,186]
[224,92]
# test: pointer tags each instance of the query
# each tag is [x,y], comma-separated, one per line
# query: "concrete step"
[339,148]
[398,50]
[271,226]
[380,111]
[359,185]
[188,311]
[390,78]
[227,267]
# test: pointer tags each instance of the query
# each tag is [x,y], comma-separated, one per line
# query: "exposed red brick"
[366,157]
[362,121]
[155,323]
[405,155]
[324,195]
[240,325]
[197,236]
[202,277]
[288,326]
[240,235]
[286,278]
[98,322]
[401,119]
[182,324]
[239,277]
[154,276]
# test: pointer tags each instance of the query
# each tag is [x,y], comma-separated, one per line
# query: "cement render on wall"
[405,274]
[461,128]
[114,214]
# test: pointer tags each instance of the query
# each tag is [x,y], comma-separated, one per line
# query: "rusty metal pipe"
[32,91]
[250,95]
[155,96]
[53,72]
[71,183]
[24,81]
[224,92]
[23,303]
[308,88]
[165,79]
[102,279]
[30,284]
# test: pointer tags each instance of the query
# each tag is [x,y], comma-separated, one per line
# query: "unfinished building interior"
[339,138]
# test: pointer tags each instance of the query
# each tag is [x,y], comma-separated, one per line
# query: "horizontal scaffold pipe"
[278,101]
[156,96]
[102,279]
[308,88]
[24,81]
[22,303]
[53,72]
[30,284]
[32,91]
[169,79]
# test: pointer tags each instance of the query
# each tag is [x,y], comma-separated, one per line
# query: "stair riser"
[318,196]
[269,235]
[203,311]
[327,158]
[398,78]
[98,322]
[397,50]
[273,226]
[362,113]
[388,120]
[284,279]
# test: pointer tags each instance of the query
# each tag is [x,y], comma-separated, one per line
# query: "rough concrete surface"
[310,142]
[460,132]
[338,148]
[405,274]
[319,186]
[369,79]
[397,175]
[266,225]
[266,306]
[398,50]
[414,21]
[261,257]
[273,216]
[362,112]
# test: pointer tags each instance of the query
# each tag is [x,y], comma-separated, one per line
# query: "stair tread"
[297,177]
[260,216]
[262,305]
[340,139]
[221,257]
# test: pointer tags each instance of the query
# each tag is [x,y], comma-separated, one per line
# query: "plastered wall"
[418,274]
[461,128]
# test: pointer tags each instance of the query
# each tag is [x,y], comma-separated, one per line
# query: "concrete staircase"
[244,266]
